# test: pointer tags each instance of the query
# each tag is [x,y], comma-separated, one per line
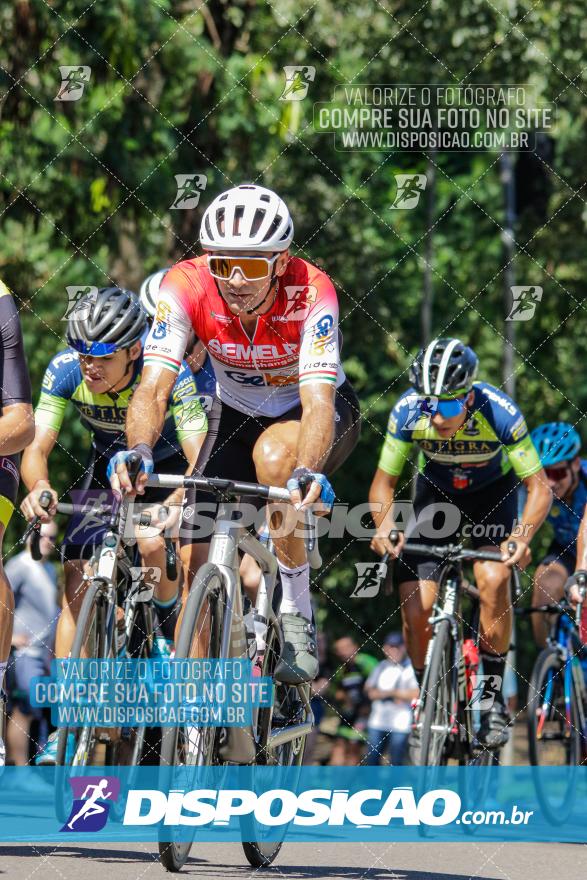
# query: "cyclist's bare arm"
[17,428]
[145,418]
[381,497]
[34,470]
[316,432]
[535,511]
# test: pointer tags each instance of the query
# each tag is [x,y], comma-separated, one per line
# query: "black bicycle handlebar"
[236,489]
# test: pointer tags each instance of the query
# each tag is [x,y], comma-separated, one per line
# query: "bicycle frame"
[228,538]
[447,607]
[563,637]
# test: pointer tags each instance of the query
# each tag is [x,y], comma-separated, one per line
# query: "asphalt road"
[373,861]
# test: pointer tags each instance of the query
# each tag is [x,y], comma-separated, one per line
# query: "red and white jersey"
[294,343]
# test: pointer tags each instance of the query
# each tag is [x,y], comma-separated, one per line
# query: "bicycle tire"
[548,672]
[82,754]
[208,586]
[436,708]
[259,853]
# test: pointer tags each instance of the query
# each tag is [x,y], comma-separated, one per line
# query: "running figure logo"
[297,82]
[525,300]
[409,189]
[370,576]
[89,811]
[189,189]
[73,82]
[487,689]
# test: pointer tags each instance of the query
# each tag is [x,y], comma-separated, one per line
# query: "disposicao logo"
[92,796]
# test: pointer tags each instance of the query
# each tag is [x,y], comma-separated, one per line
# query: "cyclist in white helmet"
[284,413]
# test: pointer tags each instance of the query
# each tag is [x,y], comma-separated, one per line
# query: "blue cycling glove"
[302,478]
[142,449]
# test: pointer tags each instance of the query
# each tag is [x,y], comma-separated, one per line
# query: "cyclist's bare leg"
[495,620]
[70,607]
[549,585]
[152,550]
[417,599]
[275,458]
[193,556]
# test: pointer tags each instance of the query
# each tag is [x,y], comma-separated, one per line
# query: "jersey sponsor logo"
[471,429]
[245,378]
[7,464]
[519,429]
[185,387]
[318,365]
[501,401]
[323,335]
[48,380]
[392,425]
[466,447]
[66,357]
[236,351]
[161,323]
[279,379]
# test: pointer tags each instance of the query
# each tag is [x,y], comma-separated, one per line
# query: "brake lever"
[34,530]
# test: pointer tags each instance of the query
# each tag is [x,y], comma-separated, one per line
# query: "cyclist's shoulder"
[401,408]
[498,407]
[187,276]
[63,373]
[301,274]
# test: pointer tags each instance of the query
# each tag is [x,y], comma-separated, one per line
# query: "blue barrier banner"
[126,692]
[313,804]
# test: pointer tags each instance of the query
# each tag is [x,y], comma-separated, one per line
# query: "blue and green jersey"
[493,440]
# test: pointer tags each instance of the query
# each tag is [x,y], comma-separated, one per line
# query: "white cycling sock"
[296,590]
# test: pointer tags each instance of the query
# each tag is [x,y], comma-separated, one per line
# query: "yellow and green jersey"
[493,440]
[104,415]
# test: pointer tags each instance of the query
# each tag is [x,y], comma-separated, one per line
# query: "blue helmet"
[556,441]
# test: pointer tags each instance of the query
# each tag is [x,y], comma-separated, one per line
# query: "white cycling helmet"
[247,217]
[150,291]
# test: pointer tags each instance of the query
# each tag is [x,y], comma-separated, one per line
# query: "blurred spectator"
[35,618]
[391,686]
[352,703]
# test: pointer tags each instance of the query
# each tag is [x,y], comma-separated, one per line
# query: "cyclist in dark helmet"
[98,373]
[474,449]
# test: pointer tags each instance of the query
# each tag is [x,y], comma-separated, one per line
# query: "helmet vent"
[257,220]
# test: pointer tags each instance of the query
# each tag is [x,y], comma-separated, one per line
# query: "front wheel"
[190,746]
[287,709]
[93,638]
[554,732]
[435,710]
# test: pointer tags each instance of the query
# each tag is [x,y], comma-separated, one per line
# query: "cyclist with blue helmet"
[558,444]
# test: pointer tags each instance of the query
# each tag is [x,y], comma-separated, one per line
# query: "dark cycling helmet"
[556,441]
[445,366]
[105,321]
